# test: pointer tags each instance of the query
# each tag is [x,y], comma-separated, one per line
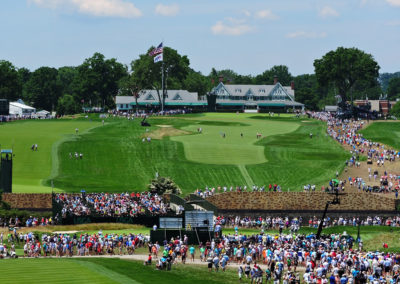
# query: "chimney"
[292,85]
[275,79]
[221,78]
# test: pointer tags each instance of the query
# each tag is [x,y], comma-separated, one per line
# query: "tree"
[307,90]
[98,79]
[197,82]
[161,185]
[396,110]
[128,86]
[42,88]
[10,85]
[384,79]
[24,74]
[394,89]
[344,68]
[148,74]
[267,77]
[67,78]
[67,105]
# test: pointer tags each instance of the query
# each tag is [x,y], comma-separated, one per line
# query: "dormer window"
[150,97]
[177,97]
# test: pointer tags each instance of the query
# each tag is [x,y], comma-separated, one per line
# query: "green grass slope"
[116,159]
[31,168]
[211,148]
[384,132]
[105,270]
[295,160]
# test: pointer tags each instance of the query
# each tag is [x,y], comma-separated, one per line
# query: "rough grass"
[384,132]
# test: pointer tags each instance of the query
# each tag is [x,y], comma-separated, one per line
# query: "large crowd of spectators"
[294,223]
[112,204]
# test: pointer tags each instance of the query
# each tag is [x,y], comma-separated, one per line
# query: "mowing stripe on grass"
[55,168]
[112,275]
[246,175]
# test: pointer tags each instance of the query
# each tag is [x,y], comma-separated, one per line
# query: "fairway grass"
[105,270]
[239,145]
[115,159]
[32,168]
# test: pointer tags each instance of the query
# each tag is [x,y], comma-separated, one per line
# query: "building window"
[127,106]
[150,98]
[177,97]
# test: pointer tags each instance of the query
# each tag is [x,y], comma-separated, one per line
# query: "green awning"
[230,104]
[272,104]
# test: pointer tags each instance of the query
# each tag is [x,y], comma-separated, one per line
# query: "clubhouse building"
[260,98]
[174,99]
[223,97]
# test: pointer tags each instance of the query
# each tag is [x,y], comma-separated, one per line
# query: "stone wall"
[300,201]
[29,201]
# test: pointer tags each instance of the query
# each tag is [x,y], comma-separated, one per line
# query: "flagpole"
[162,86]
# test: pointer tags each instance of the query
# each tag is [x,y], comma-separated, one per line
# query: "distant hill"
[384,79]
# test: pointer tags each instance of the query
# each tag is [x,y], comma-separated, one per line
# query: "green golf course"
[31,168]
[104,270]
[384,132]
[226,153]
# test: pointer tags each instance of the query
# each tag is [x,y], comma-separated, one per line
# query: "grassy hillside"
[384,132]
[30,168]
[105,270]
[115,158]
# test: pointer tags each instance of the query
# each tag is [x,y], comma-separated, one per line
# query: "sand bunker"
[165,131]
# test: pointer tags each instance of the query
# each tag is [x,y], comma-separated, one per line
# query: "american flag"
[159,49]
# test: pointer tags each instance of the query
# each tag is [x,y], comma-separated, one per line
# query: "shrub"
[161,185]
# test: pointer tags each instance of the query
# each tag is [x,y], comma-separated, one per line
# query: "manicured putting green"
[31,168]
[211,147]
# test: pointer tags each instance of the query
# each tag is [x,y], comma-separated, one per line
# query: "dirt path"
[197,262]
[362,171]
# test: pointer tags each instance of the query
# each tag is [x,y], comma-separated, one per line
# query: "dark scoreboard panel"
[4,107]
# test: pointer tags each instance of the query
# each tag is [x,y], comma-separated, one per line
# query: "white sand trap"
[65,232]
[164,125]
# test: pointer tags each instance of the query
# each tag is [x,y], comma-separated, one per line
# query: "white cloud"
[167,10]
[266,14]
[394,2]
[327,12]
[101,8]
[234,28]
[303,34]
[247,13]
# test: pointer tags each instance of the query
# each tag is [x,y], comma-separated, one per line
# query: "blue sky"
[246,36]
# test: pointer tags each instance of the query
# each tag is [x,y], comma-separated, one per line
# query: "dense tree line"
[347,72]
